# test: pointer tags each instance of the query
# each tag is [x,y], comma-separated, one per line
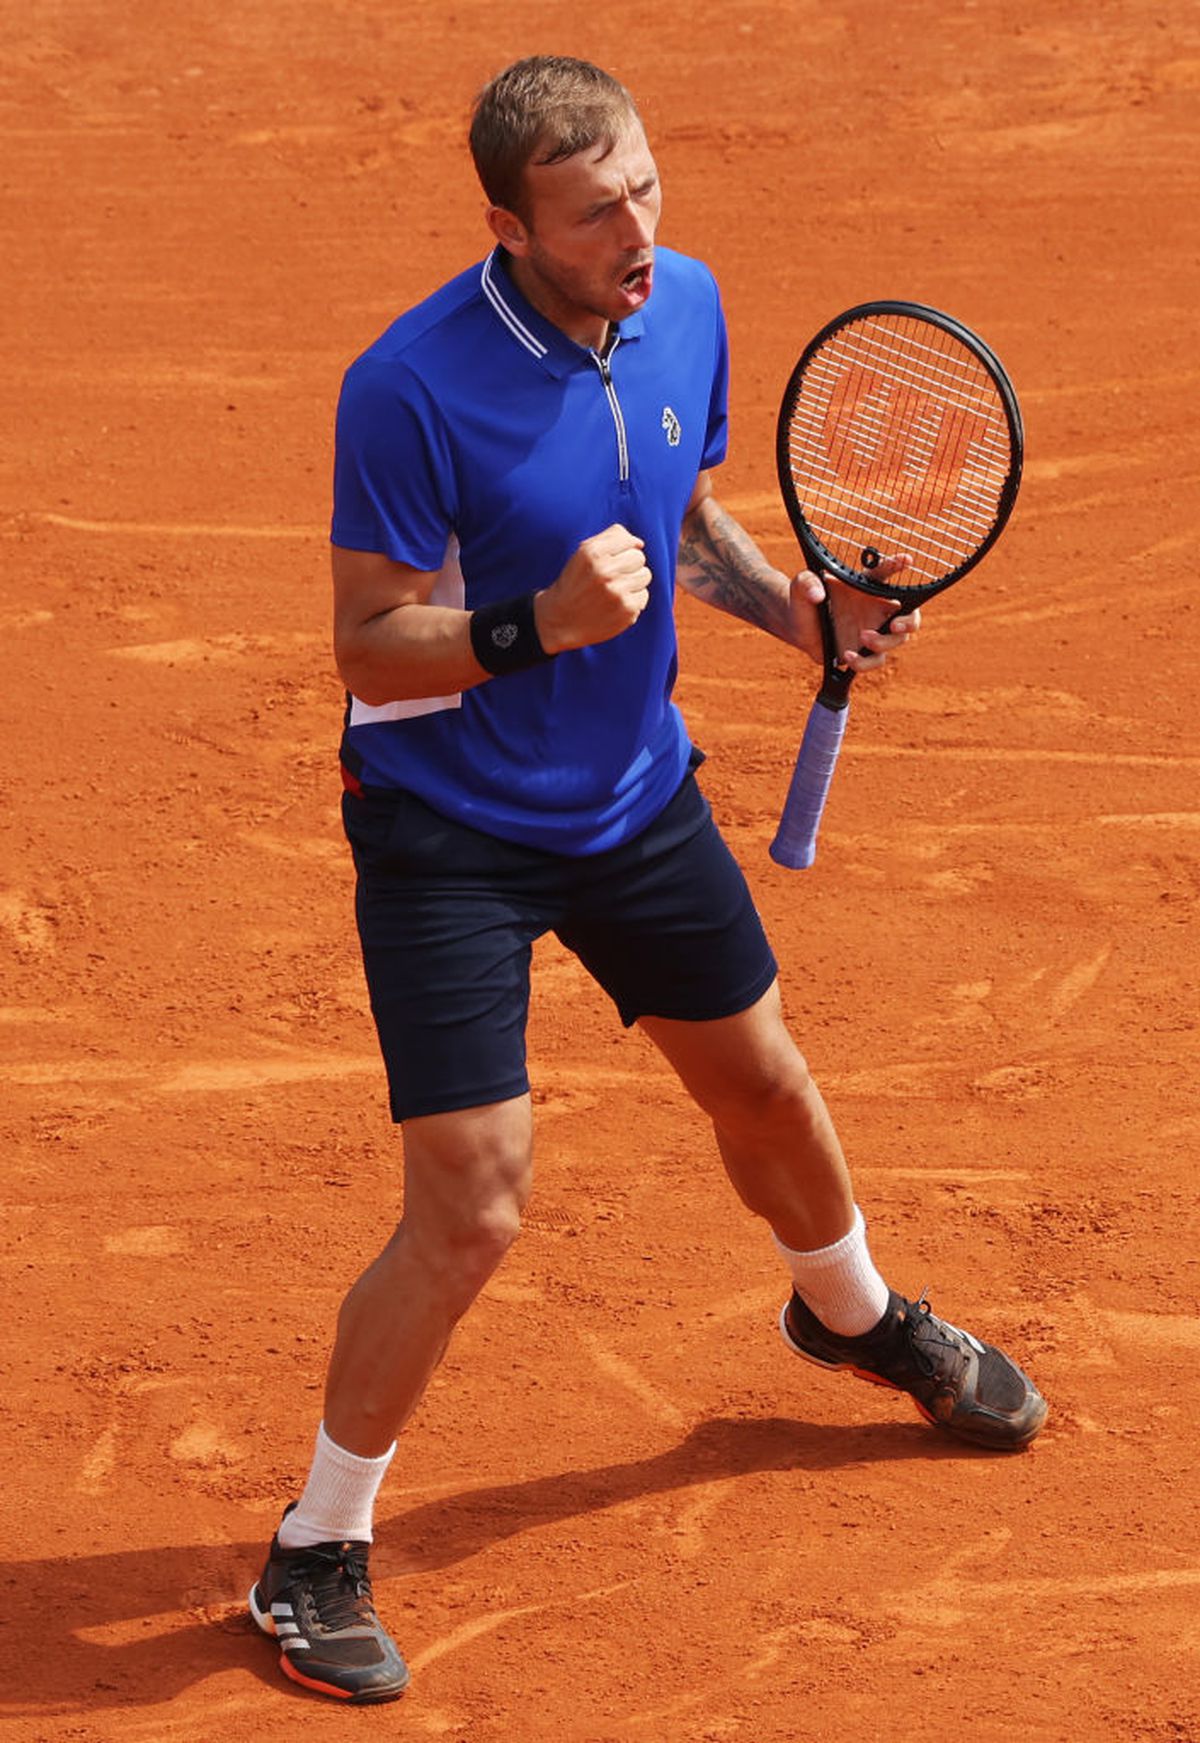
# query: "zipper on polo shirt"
[614,405]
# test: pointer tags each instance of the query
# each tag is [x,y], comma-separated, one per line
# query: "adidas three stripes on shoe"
[317,1603]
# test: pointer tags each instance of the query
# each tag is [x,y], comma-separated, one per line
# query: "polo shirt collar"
[545,343]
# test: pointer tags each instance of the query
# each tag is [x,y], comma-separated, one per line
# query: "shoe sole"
[361,1698]
[890,1386]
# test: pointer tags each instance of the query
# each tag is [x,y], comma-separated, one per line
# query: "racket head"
[899,434]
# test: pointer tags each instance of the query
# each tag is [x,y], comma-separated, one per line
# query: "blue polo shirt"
[477,441]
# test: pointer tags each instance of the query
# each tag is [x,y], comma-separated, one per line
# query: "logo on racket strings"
[885,438]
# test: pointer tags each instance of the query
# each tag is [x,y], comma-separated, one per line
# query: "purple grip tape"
[795,844]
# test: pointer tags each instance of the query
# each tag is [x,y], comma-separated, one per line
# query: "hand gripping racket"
[899,436]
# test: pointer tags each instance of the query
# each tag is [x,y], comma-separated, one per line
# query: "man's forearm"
[408,653]
[720,564]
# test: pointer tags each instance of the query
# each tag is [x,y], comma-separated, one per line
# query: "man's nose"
[638,226]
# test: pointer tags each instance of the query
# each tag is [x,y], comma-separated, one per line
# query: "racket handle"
[795,843]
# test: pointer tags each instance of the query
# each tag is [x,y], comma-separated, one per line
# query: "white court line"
[182,529]
[471,1630]
[965,753]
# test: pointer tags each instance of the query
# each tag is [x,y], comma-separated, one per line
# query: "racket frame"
[816,554]
[794,845]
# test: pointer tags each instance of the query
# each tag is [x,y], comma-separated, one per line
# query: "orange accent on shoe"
[308,1682]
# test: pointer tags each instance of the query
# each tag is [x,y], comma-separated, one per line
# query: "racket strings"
[899,441]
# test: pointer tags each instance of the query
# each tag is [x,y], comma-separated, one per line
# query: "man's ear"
[508,230]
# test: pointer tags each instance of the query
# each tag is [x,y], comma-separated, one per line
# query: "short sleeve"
[393,477]
[717,435]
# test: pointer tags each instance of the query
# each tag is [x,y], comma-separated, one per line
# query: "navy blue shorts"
[447,917]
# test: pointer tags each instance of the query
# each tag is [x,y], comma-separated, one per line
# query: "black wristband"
[504,637]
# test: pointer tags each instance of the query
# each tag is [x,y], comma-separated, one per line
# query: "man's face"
[584,254]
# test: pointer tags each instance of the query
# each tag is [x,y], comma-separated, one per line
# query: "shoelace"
[934,1330]
[341,1589]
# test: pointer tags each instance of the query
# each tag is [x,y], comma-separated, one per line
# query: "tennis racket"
[899,436]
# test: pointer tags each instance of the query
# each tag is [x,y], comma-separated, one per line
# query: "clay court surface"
[625,1512]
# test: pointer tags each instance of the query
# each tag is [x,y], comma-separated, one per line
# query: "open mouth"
[636,282]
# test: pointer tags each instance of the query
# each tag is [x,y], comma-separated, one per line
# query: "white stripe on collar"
[511,319]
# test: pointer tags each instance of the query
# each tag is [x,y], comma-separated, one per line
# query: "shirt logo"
[670,424]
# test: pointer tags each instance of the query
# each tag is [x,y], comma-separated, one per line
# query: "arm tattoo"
[720,563]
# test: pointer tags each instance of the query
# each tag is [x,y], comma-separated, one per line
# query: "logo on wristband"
[504,636]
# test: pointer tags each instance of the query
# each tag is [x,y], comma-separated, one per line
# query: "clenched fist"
[602,590]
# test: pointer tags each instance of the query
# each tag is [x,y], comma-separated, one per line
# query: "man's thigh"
[469,1171]
[743,1060]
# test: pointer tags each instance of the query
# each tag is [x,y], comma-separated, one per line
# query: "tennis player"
[522,479]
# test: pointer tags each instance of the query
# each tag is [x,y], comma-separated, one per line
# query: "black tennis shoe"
[317,1603]
[966,1387]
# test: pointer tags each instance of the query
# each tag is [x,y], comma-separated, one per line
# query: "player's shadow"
[439,1533]
[109,1630]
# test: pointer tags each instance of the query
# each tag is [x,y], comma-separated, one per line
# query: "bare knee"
[467,1179]
[474,1238]
[745,1071]
[775,1093]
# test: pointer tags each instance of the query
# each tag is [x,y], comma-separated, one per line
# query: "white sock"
[338,1499]
[840,1283]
